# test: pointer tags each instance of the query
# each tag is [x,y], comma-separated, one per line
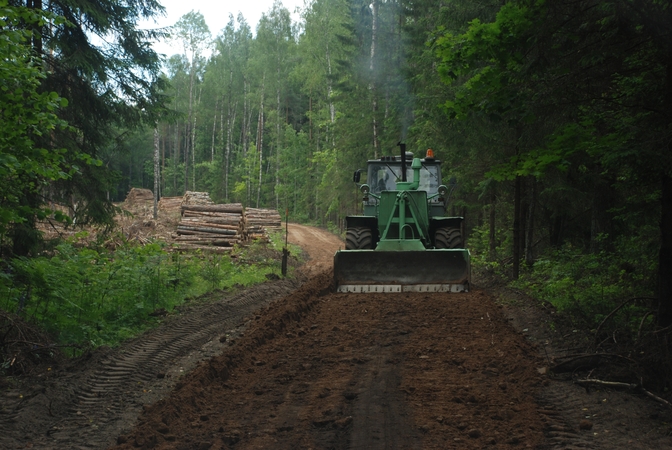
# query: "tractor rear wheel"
[358,238]
[448,238]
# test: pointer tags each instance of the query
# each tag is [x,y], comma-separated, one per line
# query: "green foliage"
[94,297]
[489,59]
[590,286]
[28,112]
[62,98]
[479,246]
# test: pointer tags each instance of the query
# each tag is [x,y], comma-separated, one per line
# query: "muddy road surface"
[343,371]
[296,365]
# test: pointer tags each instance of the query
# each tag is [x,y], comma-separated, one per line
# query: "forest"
[553,117]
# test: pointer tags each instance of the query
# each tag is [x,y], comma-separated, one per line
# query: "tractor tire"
[448,238]
[358,238]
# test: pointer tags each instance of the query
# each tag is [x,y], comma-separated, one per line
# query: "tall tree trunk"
[227,145]
[247,129]
[176,157]
[193,143]
[156,171]
[231,121]
[330,89]
[372,69]
[246,134]
[186,155]
[665,254]
[260,140]
[214,130]
[130,172]
[516,226]
[529,244]
[162,185]
[277,142]
[190,119]
[517,199]
[522,220]
[492,235]
[193,155]
[37,32]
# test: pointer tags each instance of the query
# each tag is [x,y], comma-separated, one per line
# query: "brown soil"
[289,366]
[326,370]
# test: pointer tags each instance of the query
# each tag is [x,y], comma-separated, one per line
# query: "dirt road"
[281,368]
[326,370]
[318,244]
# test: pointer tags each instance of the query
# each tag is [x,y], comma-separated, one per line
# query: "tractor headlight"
[443,191]
[365,190]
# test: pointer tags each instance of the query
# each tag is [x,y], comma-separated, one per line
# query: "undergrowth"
[586,287]
[609,295]
[589,287]
[88,297]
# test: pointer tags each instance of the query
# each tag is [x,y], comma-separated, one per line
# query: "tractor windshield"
[383,176]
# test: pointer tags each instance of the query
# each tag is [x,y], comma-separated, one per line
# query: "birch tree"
[194,35]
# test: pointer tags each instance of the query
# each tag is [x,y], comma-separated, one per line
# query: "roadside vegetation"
[83,297]
[585,286]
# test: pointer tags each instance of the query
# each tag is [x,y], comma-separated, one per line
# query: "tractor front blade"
[445,270]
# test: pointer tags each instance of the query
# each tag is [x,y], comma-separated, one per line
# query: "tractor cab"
[384,173]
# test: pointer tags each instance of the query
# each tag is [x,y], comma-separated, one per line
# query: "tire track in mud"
[579,418]
[558,402]
[380,418]
[99,404]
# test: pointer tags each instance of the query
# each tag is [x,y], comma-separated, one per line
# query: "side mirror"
[357,176]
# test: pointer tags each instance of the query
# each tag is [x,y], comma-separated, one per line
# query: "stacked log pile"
[257,222]
[210,227]
[170,204]
[138,196]
[197,198]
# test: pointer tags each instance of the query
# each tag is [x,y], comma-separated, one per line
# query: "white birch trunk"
[193,155]
[214,130]
[260,141]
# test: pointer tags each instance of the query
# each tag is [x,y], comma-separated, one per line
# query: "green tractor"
[403,242]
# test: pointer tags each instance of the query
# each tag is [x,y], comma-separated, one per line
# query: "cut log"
[208,224]
[205,248]
[206,241]
[205,230]
[223,222]
[230,208]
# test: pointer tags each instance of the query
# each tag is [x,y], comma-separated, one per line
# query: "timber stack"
[170,204]
[137,196]
[257,223]
[197,198]
[210,227]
